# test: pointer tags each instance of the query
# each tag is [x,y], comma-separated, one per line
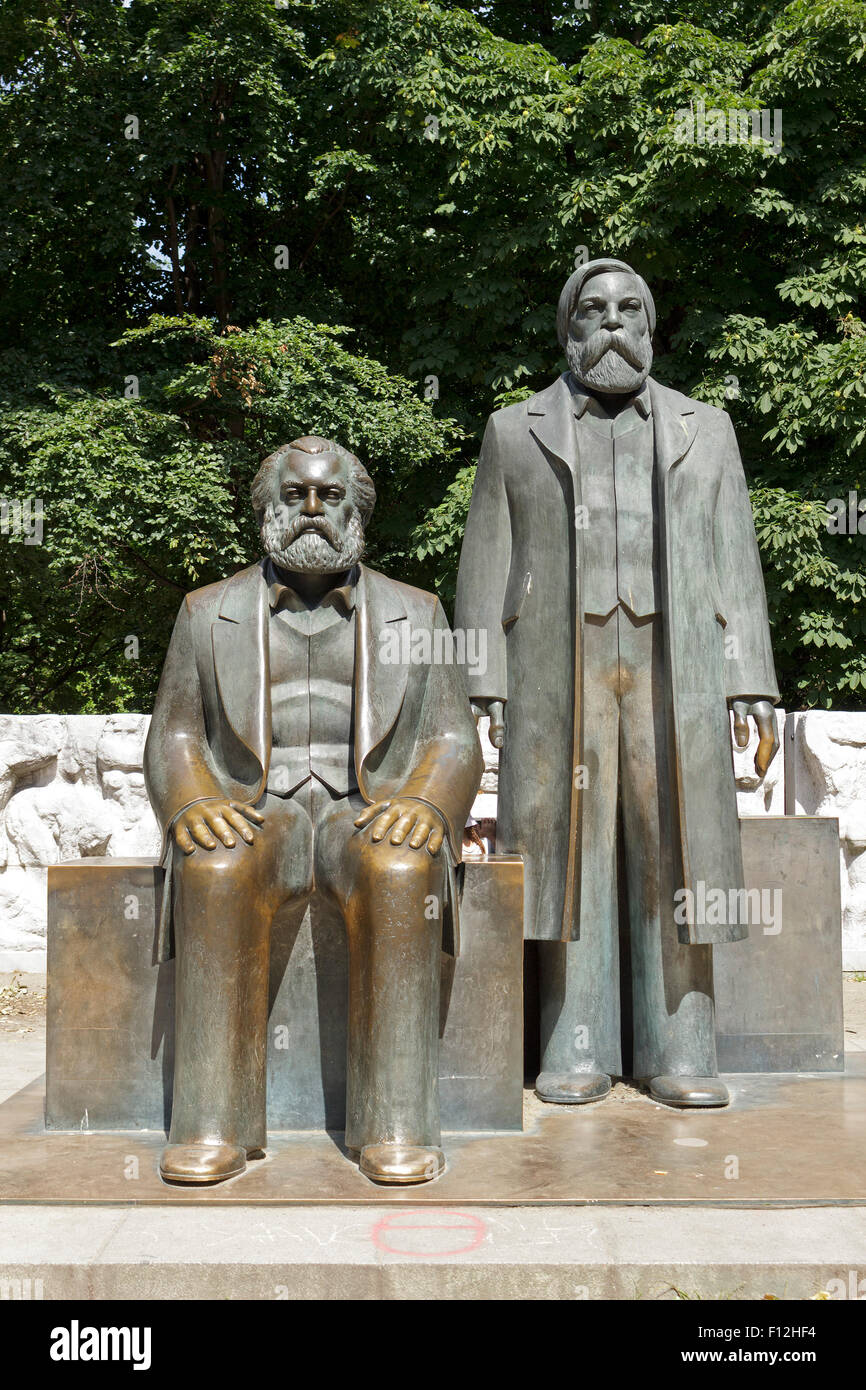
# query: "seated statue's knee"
[213,866]
[400,864]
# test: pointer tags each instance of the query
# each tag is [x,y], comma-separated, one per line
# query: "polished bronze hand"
[402,816]
[764,716]
[496,711]
[207,822]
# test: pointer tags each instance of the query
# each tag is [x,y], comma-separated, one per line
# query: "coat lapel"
[379,685]
[675,426]
[241,661]
[551,423]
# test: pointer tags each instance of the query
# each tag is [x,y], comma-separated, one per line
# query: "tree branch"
[174,253]
[160,578]
[335,211]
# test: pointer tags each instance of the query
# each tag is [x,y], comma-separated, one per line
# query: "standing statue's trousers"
[628,764]
[226,900]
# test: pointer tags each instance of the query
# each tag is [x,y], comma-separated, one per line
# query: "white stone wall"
[826,776]
[72,786]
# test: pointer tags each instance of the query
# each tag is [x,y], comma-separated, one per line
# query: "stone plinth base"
[783,1141]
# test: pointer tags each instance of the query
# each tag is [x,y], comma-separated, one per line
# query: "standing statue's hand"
[764,715]
[405,817]
[496,710]
[207,822]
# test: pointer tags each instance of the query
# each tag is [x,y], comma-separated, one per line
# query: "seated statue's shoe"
[202,1162]
[401,1163]
[698,1091]
[572,1088]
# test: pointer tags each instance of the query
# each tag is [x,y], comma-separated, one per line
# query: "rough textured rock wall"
[826,776]
[71,786]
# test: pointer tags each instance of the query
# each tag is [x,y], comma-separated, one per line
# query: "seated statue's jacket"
[210,735]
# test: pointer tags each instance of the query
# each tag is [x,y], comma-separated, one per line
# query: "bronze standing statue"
[292,752]
[610,555]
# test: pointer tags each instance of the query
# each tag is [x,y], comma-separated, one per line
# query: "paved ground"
[854,1004]
[22,1036]
[374,1253]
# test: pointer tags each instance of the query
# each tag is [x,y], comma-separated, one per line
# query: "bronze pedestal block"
[111,1010]
[779,992]
[800,1141]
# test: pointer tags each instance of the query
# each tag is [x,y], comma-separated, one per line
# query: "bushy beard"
[612,362]
[327,550]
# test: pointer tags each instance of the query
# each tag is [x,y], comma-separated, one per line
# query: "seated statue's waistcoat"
[312,661]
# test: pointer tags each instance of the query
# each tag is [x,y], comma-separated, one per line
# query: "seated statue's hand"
[403,817]
[216,819]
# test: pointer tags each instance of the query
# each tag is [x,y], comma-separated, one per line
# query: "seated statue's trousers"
[628,757]
[225,902]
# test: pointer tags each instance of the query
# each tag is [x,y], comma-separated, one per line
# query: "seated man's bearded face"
[609,347]
[312,525]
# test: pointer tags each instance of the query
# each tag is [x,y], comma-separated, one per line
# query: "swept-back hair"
[575,283]
[360,482]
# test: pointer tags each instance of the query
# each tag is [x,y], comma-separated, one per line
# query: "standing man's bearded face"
[312,525]
[609,347]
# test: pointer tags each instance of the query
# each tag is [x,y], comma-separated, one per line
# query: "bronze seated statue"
[294,750]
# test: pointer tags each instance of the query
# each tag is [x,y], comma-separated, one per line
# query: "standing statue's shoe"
[689,1090]
[401,1163]
[572,1088]
[202,1162]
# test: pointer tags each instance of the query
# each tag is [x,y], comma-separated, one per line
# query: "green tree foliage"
[146,498]
[285,218]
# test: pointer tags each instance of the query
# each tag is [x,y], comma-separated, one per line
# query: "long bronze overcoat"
[211,729]
[520,580]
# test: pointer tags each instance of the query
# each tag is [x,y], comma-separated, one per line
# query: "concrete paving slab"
[379,1253]
[22,1059]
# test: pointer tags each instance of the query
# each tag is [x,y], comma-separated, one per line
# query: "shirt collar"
[281,595]
[583,400]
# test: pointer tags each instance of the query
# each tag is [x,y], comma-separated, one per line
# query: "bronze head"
[312,500]
[605,322]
